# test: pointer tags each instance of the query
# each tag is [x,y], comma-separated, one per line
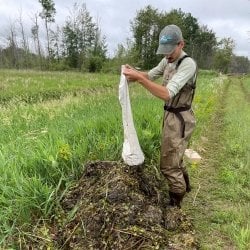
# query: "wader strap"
[177,111]
[180,60]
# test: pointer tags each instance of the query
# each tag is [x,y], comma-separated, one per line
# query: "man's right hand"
[128,77]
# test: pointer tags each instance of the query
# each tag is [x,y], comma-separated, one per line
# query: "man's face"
[176,53]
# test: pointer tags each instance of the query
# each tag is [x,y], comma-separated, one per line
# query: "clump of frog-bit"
[114,206]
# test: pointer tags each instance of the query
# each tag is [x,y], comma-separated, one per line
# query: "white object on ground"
[131,151]
[192,156]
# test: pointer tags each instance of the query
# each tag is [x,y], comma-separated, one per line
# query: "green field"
[52,123]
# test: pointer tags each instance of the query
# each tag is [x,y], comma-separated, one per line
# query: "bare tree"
[12,47]
[24,41]
[48,15]
[35,35]
[55,43]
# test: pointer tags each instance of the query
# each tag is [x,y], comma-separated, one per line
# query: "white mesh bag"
[131,151]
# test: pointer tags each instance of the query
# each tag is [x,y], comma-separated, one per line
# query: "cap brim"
[164,49]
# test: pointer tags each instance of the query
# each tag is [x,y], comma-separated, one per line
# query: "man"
[179,77]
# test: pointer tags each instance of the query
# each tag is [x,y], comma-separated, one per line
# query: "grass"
[221,182]
[46,143]
[53,123]
[236,155]
[36,86]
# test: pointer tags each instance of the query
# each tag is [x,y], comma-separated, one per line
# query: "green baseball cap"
[169,37]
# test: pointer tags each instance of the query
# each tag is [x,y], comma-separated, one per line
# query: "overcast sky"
[227,18]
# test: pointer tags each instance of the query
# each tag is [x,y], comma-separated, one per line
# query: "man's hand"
[132,74]
[143,78]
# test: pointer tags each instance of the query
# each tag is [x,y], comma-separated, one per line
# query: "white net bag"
[131,151]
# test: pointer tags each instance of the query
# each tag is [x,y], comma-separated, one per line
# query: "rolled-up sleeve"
[157,71]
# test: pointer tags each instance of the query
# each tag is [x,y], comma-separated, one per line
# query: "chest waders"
[177,111]
[178,125]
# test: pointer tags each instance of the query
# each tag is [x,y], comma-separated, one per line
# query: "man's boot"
[175,199]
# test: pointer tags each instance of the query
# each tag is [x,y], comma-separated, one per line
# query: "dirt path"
[206,200]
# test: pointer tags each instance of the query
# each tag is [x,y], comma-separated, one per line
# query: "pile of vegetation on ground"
[114,206]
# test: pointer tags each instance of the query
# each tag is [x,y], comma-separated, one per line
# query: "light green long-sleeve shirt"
[186,70]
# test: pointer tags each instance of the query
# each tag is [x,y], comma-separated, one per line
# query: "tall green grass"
[235,161]
[208,90]
[34,86]
[220,203]
[45,140]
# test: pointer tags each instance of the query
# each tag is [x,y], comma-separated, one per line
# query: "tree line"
[80,45]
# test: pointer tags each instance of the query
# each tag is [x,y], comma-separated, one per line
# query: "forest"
[78,44]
